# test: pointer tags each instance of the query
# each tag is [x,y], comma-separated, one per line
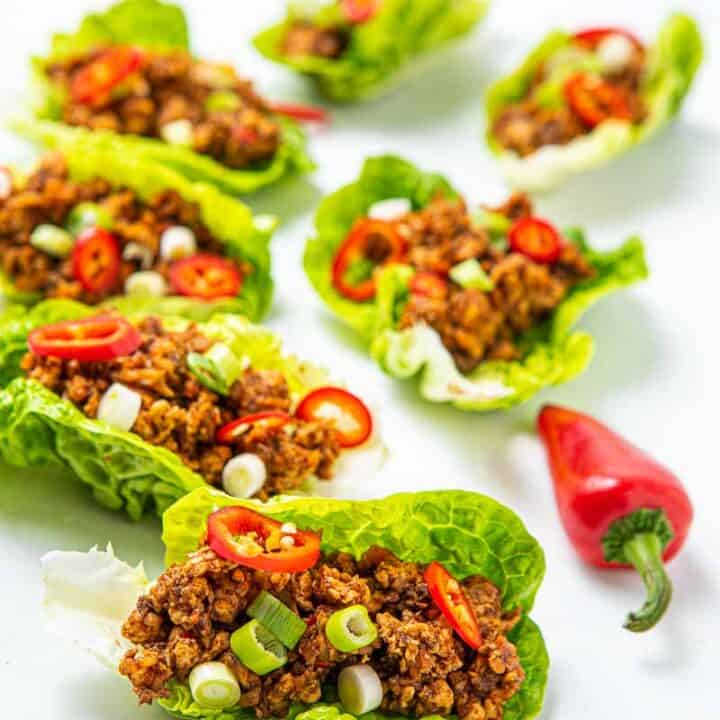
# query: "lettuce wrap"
[376,49]
[245,238]
[553,352]
[88,595]
[158,26]
[672,62]
[38,427]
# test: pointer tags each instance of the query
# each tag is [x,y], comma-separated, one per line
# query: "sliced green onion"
[359,689]
[87,215]
[244,475]
[52,240]
[146,283]
[257,648]
[213,685]
[218,369]
[494,222]
[222,100]
[178,132]
[351,629]
[469,274]
[278,618]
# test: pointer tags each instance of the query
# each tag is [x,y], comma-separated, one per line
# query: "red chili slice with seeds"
[205,276]
[595,100]
[237,428]
[346,412]
[105,73]
[536,239]
[95,260]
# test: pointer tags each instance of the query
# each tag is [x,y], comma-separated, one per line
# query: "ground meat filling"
[180,414]
[49,195]
[475,325]
[527,125]
[188,615]
[305,38]
[172,86]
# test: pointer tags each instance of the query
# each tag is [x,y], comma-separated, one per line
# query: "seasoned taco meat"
[182,415]
[238,130]
[49,196]
[477,325]
[305,38]
[189,615]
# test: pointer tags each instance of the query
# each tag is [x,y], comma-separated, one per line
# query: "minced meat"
[49,195]
[171,86]
[187,617]
[305,38]
[182,415]
[475,325]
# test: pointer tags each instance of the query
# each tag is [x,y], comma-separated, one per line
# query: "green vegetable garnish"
[218,369]
[495,223]
[469,274]
[53,240]
[87,215]
[257,648]
[222,100]
[213,685]
[351,629]
[278,618]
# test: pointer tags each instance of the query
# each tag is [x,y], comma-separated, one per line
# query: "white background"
[655,376]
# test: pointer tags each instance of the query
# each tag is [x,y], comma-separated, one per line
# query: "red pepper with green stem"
[620,508]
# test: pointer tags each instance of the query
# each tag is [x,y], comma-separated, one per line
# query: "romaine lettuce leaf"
[554,353]
[379,48]
[245,237]
[672,63]
[37,427]
[468,532]
[158,26]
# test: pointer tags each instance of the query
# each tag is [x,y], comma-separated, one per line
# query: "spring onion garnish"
[257,648]
[244,475]
[278,618]
[469,274]
[222,100]
[178,132]
[351,629]
[494,222]
[359,689]
[390,209]
[87,215]
[52,240]
[615,51]
[177,242]
[135,252]
[119,406]
[213,685]
[217,369]
[146,282]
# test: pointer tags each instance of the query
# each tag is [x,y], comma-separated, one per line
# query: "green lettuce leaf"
[245,238]
[468,532]
[553,352]
[158,26]
[37,427]
[672,63]
[379,48]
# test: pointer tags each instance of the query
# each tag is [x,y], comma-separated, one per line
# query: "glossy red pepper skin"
[600,477]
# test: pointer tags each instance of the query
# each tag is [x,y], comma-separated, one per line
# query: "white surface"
[655,376]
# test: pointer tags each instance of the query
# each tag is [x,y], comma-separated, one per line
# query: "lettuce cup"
[479,306]
[353,49]
[414,605]
[99,227]
[126,79]
[579,99]
[145,408]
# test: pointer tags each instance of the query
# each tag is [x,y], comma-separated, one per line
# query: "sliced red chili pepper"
[96,260]
[536,239]
[348,414]
[104,73]
[355,249]
[239,535]
[93,339]
[237,428]
[595,100]
[205,276]
[359,11]
[592,37]
[304,113]
[429,284]
[448,595]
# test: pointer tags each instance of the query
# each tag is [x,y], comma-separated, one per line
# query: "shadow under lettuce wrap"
[553,352]
[159,26]
[672,63]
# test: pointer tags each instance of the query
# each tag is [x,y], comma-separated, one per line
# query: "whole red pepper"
[619,507]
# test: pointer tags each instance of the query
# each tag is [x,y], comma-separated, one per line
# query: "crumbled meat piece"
[304,38]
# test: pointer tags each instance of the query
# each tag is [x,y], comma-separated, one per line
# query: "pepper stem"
[644,551]
[639,539]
